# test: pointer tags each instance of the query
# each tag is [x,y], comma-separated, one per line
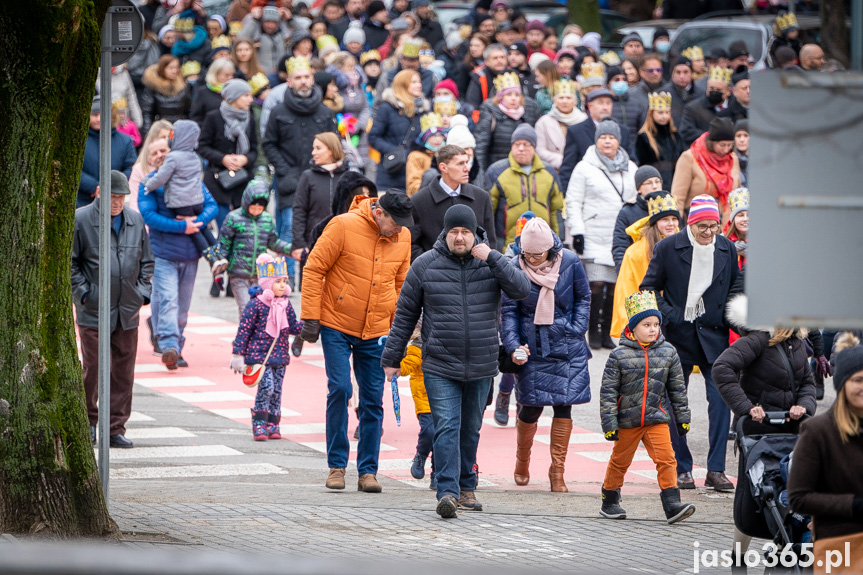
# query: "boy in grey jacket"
[180,174]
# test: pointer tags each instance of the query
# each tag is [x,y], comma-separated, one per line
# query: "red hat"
[447,84]
[535,25]
[703,207]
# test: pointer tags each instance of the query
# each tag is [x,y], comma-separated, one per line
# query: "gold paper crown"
[663,203]
[274,269]
[326,40]
[720,74]
[738,199]
[184,25]
[191,68]
[659,101]
[507,81]
[786,22]
[258,83]
[610,58]
[429,121]
[693,53]
[411,48]
[234,28]
[298,63]
[564,87]
[449,108]
[370,56]
[120,104]
[639,302]
[220,43]
[593,70]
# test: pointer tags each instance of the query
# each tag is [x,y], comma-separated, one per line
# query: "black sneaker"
[181,362]
[447,507]
[120,442]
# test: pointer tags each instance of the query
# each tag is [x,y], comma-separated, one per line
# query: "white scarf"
[700,276]
[573,117]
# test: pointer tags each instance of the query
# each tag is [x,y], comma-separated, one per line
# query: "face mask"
[620,87]
[715,97]
[470,163]
[663,46]
[443,99]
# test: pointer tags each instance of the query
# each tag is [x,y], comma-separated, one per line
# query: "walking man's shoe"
[169,358]
[718,481]
[685,480]
[121,442]
[468,501]
[368,483]
[447,507]
[336,479]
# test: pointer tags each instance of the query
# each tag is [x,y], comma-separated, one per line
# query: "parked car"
[644,29]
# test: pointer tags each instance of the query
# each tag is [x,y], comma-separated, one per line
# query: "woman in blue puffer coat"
[549,326]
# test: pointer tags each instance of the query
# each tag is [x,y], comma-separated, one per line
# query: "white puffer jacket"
[593,199]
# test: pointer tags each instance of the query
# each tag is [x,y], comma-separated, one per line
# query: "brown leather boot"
[561,429]
[525,432]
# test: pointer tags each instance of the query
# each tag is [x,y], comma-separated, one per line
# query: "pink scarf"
[514,113]
[545,276]
[277,319]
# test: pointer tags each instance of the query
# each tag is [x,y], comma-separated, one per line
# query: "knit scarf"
[236,126]
[277,318]
[620,163]
[545,276]
[700,276]
[182,47]
[330,167]
[514,113]
[716,168]
[573,117]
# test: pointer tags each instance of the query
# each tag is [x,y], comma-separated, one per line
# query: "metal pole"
[857,35]
[105,258]
[792,6]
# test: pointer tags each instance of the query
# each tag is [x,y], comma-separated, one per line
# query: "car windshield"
[446,16]
[708,37]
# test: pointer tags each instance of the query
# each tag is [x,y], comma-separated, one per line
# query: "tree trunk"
[585,13]
[48,479]
[834,31]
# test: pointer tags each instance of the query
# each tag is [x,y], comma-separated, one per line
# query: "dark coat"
[204,101]
[697,116]
[628,215]
[162,99]
[253,342]
[313,201]
[431,32]
[668,273]
[494,131]
[376,35]
[288,140]
[213,146]
[167,234]
[631,111]
[735,110]
[459,299]
[825,477]
[751,372]
[579,138]
[122,159]
[131,268]
[670,147]
[390,129]
[430,205]
[679,98]
[473,94]
[642,385]
[556,371]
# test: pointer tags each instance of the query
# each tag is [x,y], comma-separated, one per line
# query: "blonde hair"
[343,60]
[649,129]
[333,144]
[400,88]
[152,136]
[847,422]
[221,65]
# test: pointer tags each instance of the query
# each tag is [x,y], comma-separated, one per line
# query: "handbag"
[848,547]
[396,159]
[230,179]
[253,373]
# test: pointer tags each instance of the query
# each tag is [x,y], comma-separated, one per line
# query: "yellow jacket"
[412,365]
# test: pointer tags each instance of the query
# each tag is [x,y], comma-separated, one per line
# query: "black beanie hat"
[459,216]
[849,360]
[721,129]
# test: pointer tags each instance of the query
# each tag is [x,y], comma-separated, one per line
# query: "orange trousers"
[657,441]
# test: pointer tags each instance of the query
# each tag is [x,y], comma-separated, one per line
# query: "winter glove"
[238,364]
[297,346]
[822,367]
[578,244]
[311,330]
[741,247]
[682,429]
[611,435]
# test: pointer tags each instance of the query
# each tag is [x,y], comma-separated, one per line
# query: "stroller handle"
[775,418]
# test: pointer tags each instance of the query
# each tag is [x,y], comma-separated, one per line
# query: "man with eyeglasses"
[692,274]
[651,72]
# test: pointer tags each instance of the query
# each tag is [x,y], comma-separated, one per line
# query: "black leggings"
[531,413]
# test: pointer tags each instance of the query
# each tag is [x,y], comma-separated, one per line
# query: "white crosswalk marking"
[211,396]
[137,416]
[157,382]
[150,368]
[303,428]
[322,446]
[157,433]
[173,452]
[179,471]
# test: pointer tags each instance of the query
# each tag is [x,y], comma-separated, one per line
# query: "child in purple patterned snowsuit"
[267,316]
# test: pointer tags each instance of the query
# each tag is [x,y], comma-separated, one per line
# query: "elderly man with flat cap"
[456,287]
[351,282]
[131,270]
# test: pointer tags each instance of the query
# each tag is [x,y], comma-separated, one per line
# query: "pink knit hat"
[536,237]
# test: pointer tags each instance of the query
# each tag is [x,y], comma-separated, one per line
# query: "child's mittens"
[238,364]
[611,435]
[682,429]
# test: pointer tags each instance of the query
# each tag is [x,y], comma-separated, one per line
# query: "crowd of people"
[451,204]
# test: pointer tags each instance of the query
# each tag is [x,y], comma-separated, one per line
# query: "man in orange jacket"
[351,283]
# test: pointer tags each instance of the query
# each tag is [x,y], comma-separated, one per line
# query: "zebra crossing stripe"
[181,471]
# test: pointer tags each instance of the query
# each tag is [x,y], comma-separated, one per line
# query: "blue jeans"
[173,283]
[507,383]
[224,210]
[457,408]
[285,227]
[719,418]
[338,348]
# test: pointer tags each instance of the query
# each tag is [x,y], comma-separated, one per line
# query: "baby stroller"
[760,502]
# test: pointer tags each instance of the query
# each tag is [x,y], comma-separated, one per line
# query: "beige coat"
[690,181]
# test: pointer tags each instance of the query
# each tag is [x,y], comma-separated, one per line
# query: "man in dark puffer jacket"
[456,286]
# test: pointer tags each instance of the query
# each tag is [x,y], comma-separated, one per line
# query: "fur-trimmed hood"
[151,79]
[737,314]
[389,96]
